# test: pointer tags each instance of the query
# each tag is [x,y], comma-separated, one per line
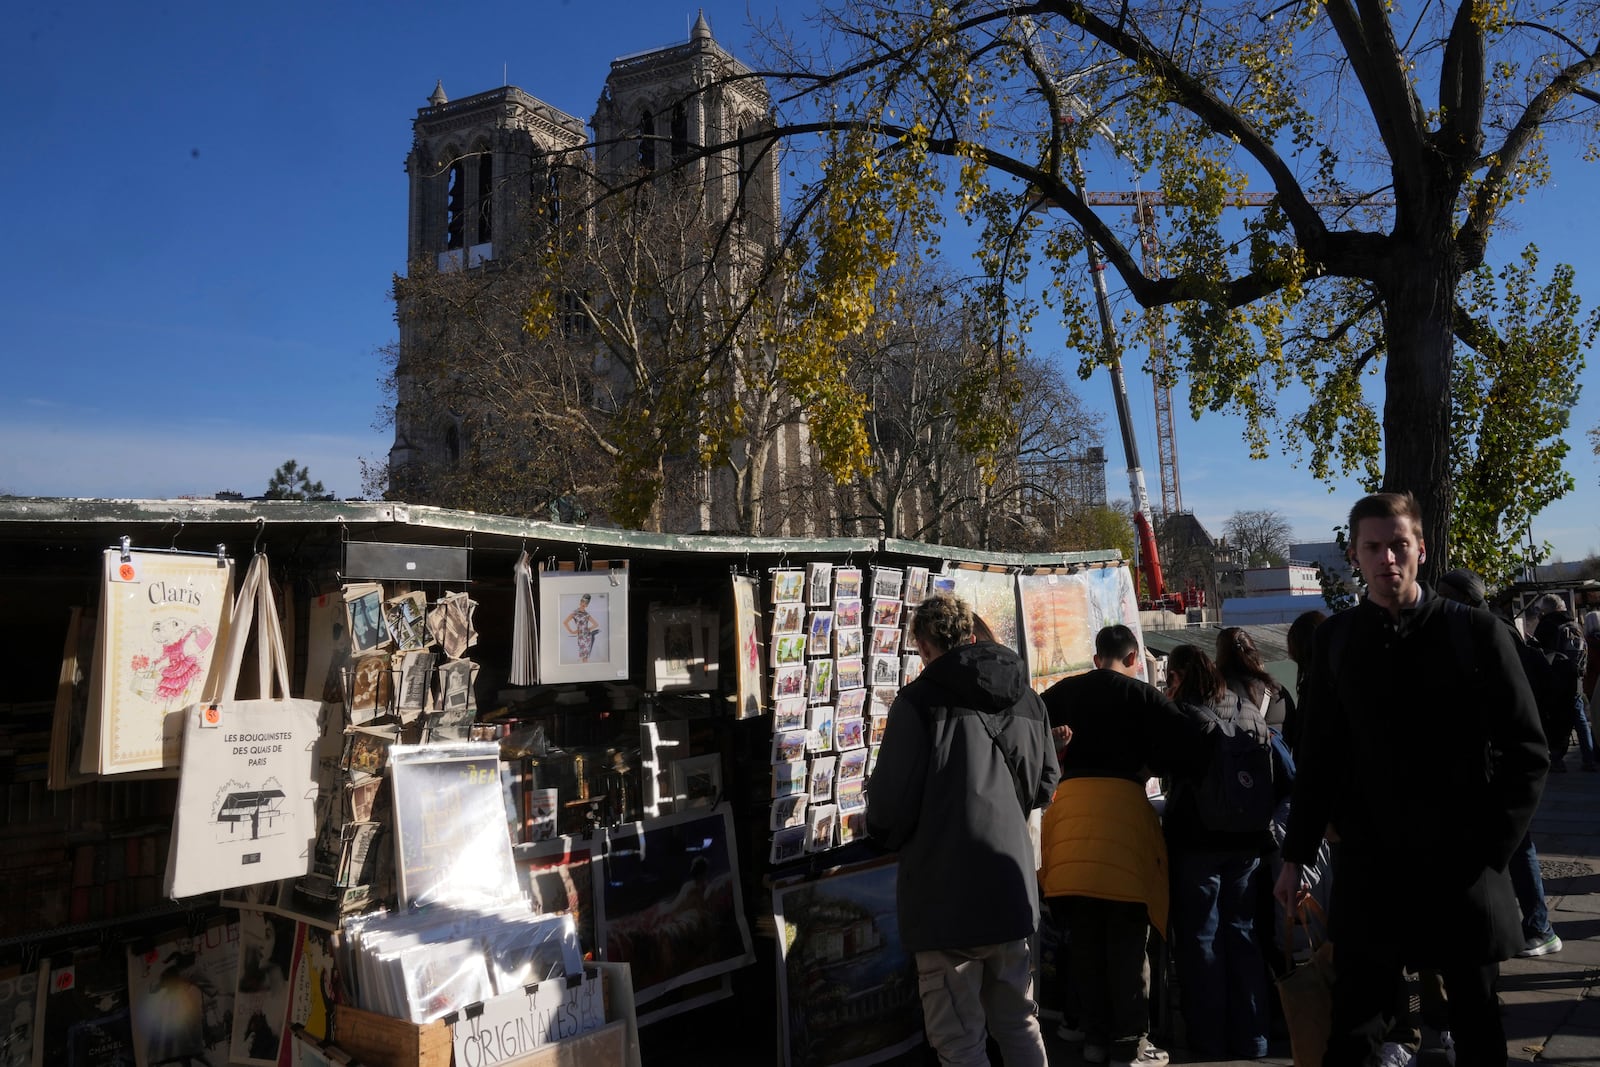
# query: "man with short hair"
[966,756]
[1105,862]
[1426,759]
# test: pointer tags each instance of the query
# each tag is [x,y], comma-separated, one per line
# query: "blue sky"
[208,202]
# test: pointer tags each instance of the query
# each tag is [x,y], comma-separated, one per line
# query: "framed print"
[821,788]
[885,640]
[819,685]
[673,909]
[788,648]
[870,966]
[853,765]
[885,612]
[696,781]
[916,585]
[820,630]
[821,822]
[788,586]
[789,618]
[788,844]
[851,703]
[789,714]
[583,625]
[788,746]
[848,733]
[847,613]
[819,583]
[677,659]
[886,671]
[887,582]
[788,811]
[789,778]
[747,646]
[406,618]
[363,601]
[849,673]
[846,582]
[819,731]
[789,681]
[847,641]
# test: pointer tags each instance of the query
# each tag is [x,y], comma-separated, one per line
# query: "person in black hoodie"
[966,756]
[1215,944]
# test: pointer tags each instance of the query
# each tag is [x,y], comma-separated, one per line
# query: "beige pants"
[970,992]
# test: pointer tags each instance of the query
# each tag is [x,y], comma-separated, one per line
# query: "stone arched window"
[680,132]
[484,212]
[455,198]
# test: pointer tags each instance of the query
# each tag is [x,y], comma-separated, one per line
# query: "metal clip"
[127,548]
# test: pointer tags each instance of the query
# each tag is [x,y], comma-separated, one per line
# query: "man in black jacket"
[966,756]
[1427,764]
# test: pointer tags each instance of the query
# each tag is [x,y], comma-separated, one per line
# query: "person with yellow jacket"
[1104,870]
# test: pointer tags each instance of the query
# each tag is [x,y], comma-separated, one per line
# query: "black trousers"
[1364,1006]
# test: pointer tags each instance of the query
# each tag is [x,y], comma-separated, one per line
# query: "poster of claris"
[164,617]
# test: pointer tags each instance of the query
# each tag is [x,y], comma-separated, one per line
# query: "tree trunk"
[1416,408]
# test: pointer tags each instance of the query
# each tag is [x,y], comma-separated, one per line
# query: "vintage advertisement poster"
[672,905]
[450,825]
[81,1017]
[847,989]
[163,616]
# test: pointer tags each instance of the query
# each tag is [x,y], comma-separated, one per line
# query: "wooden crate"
[380,1041]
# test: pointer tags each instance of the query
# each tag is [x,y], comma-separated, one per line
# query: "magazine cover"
[261,1000]
[19,992]
[81,1017]
[162,617]
[182,993]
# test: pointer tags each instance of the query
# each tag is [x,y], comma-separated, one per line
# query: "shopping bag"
[247,787]
[1306,988]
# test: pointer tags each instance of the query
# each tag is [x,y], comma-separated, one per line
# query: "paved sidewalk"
[1552,1004]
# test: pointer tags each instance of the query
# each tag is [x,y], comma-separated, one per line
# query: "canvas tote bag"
[1306,988]
[247,788]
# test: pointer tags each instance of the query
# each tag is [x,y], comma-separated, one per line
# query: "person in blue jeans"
[1222,978]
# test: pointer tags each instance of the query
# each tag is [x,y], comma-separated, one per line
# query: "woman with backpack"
[1216,830]
[1240,664]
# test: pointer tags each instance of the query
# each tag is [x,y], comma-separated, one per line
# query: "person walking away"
[966,756]
[1239,662]
[1558,636]
[1221,974]
[1104,871]
[1423,753]
[1539,937]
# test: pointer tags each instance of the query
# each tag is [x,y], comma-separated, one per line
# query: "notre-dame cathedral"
[490,175]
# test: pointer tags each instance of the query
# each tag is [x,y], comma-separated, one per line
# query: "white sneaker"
[1149,1056]
[1395,1055]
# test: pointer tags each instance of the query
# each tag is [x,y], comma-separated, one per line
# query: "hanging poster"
[261,992]
[840,933]
[182,990]
[451,844]
[672,907]
[992,594]
[1055,627]
[677,658]
[1112,599]
[747,647]
[327,647]
[583,625]
[162,617]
